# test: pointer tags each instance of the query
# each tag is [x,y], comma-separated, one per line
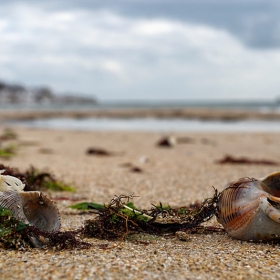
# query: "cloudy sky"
[143,49]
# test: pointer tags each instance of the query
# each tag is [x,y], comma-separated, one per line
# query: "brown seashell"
[249,208]
[33,208]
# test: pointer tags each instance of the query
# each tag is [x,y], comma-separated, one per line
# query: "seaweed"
[7,170]
[35,179]
[87,206]
[98,152]
[7,151]
[10,230]
[119,218]
[8,134]
[116,220]
[16,234]
[166,142]
[38,180]
[131,167]
[95,151]
[228,159]
[58,239]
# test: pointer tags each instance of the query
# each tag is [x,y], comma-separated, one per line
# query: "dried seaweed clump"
[8,134]
[15,234]
[116,219]
[58,239]
[228,159]
[121,217]
[36,180]
[11,171]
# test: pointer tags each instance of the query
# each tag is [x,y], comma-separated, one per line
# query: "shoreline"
[198,113]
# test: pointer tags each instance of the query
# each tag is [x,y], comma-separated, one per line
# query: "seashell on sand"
[249,208]
[10,183]
[33,208]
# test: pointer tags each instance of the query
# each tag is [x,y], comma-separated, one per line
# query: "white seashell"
[10,183]
[33,208]
[249,209]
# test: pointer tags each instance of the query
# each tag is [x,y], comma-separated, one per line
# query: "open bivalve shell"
[33,208]
[249,208]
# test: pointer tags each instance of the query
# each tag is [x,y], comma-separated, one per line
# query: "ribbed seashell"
[33,208]
[249,208]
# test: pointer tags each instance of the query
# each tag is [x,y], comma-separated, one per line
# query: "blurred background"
[96,55]
[140,50]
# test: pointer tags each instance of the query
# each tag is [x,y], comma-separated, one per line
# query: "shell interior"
[272,184]
[32,208]
[249,208]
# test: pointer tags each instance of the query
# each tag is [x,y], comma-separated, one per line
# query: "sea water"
[153,124]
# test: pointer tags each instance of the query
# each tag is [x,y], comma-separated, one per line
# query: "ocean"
[153,124]
[259,105]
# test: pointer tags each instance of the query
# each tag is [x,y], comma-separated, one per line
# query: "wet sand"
[176,176]
[201,113]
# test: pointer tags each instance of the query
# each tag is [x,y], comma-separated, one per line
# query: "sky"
[143,49]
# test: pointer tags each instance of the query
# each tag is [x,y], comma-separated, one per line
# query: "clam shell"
[33,208]
[249,208]
[8,182]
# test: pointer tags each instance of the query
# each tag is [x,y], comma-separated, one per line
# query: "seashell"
[249,208]
[10,183]
[33,208]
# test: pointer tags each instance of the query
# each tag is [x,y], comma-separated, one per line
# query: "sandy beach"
[201,113]
[177,176]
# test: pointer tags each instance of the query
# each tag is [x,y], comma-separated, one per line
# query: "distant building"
[16,94]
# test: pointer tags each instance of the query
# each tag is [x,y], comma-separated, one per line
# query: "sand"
[202,113]
[177,176]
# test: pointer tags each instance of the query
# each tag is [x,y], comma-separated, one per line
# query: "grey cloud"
[256,23]
[144,50]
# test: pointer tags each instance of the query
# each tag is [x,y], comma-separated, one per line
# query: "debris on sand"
[228,159]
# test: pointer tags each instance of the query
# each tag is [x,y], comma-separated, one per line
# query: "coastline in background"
[148,116]
[223,111]
[257,105]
